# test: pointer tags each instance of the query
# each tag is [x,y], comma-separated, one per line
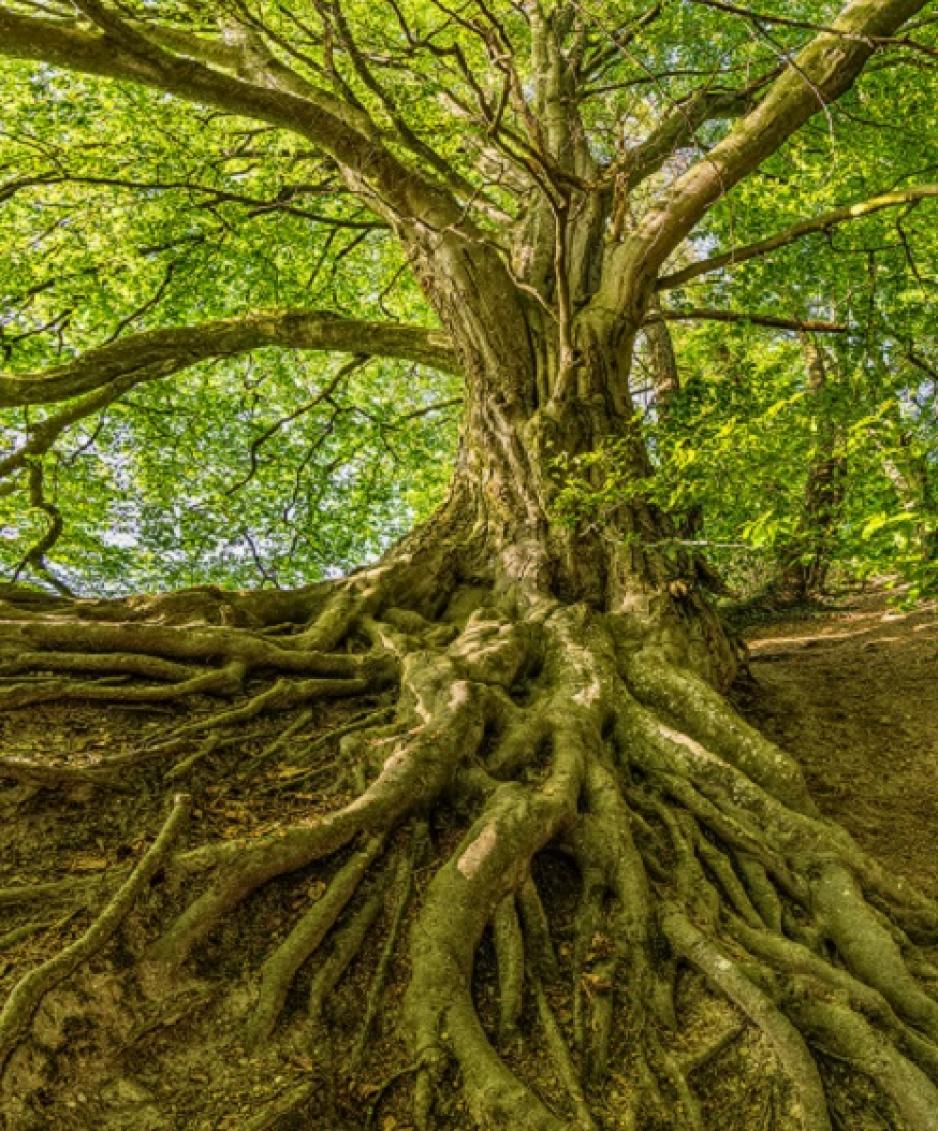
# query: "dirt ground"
[852,691]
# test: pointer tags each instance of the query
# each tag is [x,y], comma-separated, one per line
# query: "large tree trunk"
[599,897]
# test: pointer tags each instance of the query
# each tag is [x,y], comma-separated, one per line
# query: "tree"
[556,674]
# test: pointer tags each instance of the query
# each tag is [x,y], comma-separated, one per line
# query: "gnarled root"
[29,990]
[606,893]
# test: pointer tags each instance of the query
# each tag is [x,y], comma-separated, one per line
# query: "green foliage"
[592,485]
[151,229]
[160,490]
[125,209]
[740,440]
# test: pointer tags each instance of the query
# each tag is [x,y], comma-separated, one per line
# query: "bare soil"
[851,689]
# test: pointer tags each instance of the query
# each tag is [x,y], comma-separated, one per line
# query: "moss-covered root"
[738,852]
[279,969]
[451,715]
[509,954]
[692,839]
[462,899]
[563,1061]
[476,885]
[128,660]
[809,1104]
[402,890]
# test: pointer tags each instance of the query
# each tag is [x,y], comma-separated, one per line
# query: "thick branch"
[821,223]
[160,353]
[820,73]
[122,52]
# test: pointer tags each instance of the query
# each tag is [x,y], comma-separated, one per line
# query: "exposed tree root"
[547,734]
[29,990]
[41,893]
[509,951]
[38,773]
[786,1041]
[402,888]
[10,938]
[278,971]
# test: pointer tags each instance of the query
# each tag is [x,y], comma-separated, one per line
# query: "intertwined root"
[554,735]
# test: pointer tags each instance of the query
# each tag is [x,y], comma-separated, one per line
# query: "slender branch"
[821,223]
[281,203]
[404,133]
[271,430]
[620,41]
[712,314]
[426,410]
[680,126]
[160,353]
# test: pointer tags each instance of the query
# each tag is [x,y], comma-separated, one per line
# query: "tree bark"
[804,559]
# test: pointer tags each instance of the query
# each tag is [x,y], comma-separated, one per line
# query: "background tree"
[750,405]
[495,195]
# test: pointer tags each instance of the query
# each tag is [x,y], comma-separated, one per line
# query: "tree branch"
[35,556]
[820,223]
[758,18]
[214,194]
[680,126]
[122,52]
[714,314]
[160,353]
[819,74]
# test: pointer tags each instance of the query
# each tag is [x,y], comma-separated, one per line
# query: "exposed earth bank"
[851,689]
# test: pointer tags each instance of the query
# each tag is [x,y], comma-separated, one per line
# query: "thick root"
[597,842]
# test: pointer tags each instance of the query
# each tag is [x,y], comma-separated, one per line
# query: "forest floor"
[850,688]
